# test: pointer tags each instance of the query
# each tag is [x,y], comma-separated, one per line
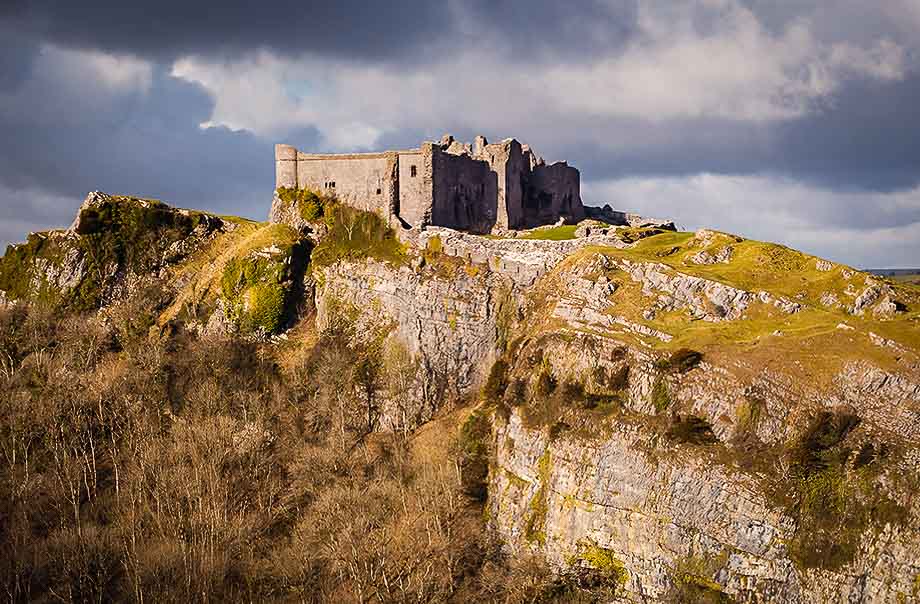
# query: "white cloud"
[865,229]
[734,67]
[83,81]
[117,73]
[884,61]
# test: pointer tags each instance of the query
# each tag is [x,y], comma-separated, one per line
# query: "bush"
[266,307]
[517,392]
[680,361]
[816,449]
[661,396]
[311,206]
[605,561]
[573,394]
[473,444]
[691,429]
[836,501]
[497,382]
[354,235]
[546,383]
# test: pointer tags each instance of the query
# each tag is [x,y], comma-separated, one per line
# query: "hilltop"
[656,415]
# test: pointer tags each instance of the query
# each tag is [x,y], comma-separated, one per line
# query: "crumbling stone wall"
[507,161]
[552,192]
[415,186]
[465,192]
[476,188]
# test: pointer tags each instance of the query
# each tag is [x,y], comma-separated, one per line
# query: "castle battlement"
[474,187]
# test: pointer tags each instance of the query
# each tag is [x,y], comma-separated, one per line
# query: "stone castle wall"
[507,161]
[552,191]
[464,193]
[475,188]
[367,181]
[415,186]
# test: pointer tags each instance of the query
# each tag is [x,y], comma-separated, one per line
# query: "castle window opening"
[412,171]
[378,190]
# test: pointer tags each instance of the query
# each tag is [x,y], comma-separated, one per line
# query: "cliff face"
[214,274]
[700,416]
[774,461]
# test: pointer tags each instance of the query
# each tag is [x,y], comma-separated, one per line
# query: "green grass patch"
[256,283]
[559,233]
[311,206]
[354,235]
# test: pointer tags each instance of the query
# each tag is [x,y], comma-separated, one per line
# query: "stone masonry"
[476,188]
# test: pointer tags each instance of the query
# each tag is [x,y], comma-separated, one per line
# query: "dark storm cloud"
[529,29]
[866,140]
[69,137]
[17,49]
[147,145]
[166,29]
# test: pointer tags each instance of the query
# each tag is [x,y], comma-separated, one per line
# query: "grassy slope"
[199,278]
[559,233]
[810,343]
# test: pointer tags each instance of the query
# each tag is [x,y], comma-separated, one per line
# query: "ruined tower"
[477,188]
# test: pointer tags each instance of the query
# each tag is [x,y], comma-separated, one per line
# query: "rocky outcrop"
[521,260]
[671,516]
[610,216]
[708,433]
[113,244]
[451,324]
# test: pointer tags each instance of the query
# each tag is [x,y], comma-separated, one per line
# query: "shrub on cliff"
[681,360]
[311,206]
[473,445]
[836,492]
[497,382]
[690,429]
[353,235]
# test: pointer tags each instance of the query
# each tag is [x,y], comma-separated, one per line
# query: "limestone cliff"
[714,428]
[697,416]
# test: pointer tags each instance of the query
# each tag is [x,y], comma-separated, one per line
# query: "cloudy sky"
[788,120]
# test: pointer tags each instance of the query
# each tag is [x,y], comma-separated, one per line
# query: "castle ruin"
[476,188]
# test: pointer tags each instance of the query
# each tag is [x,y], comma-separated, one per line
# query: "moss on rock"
[605,561]
[257,286]
[113,237]
[311,206]
[535,526]
[354,235]
[473,443]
